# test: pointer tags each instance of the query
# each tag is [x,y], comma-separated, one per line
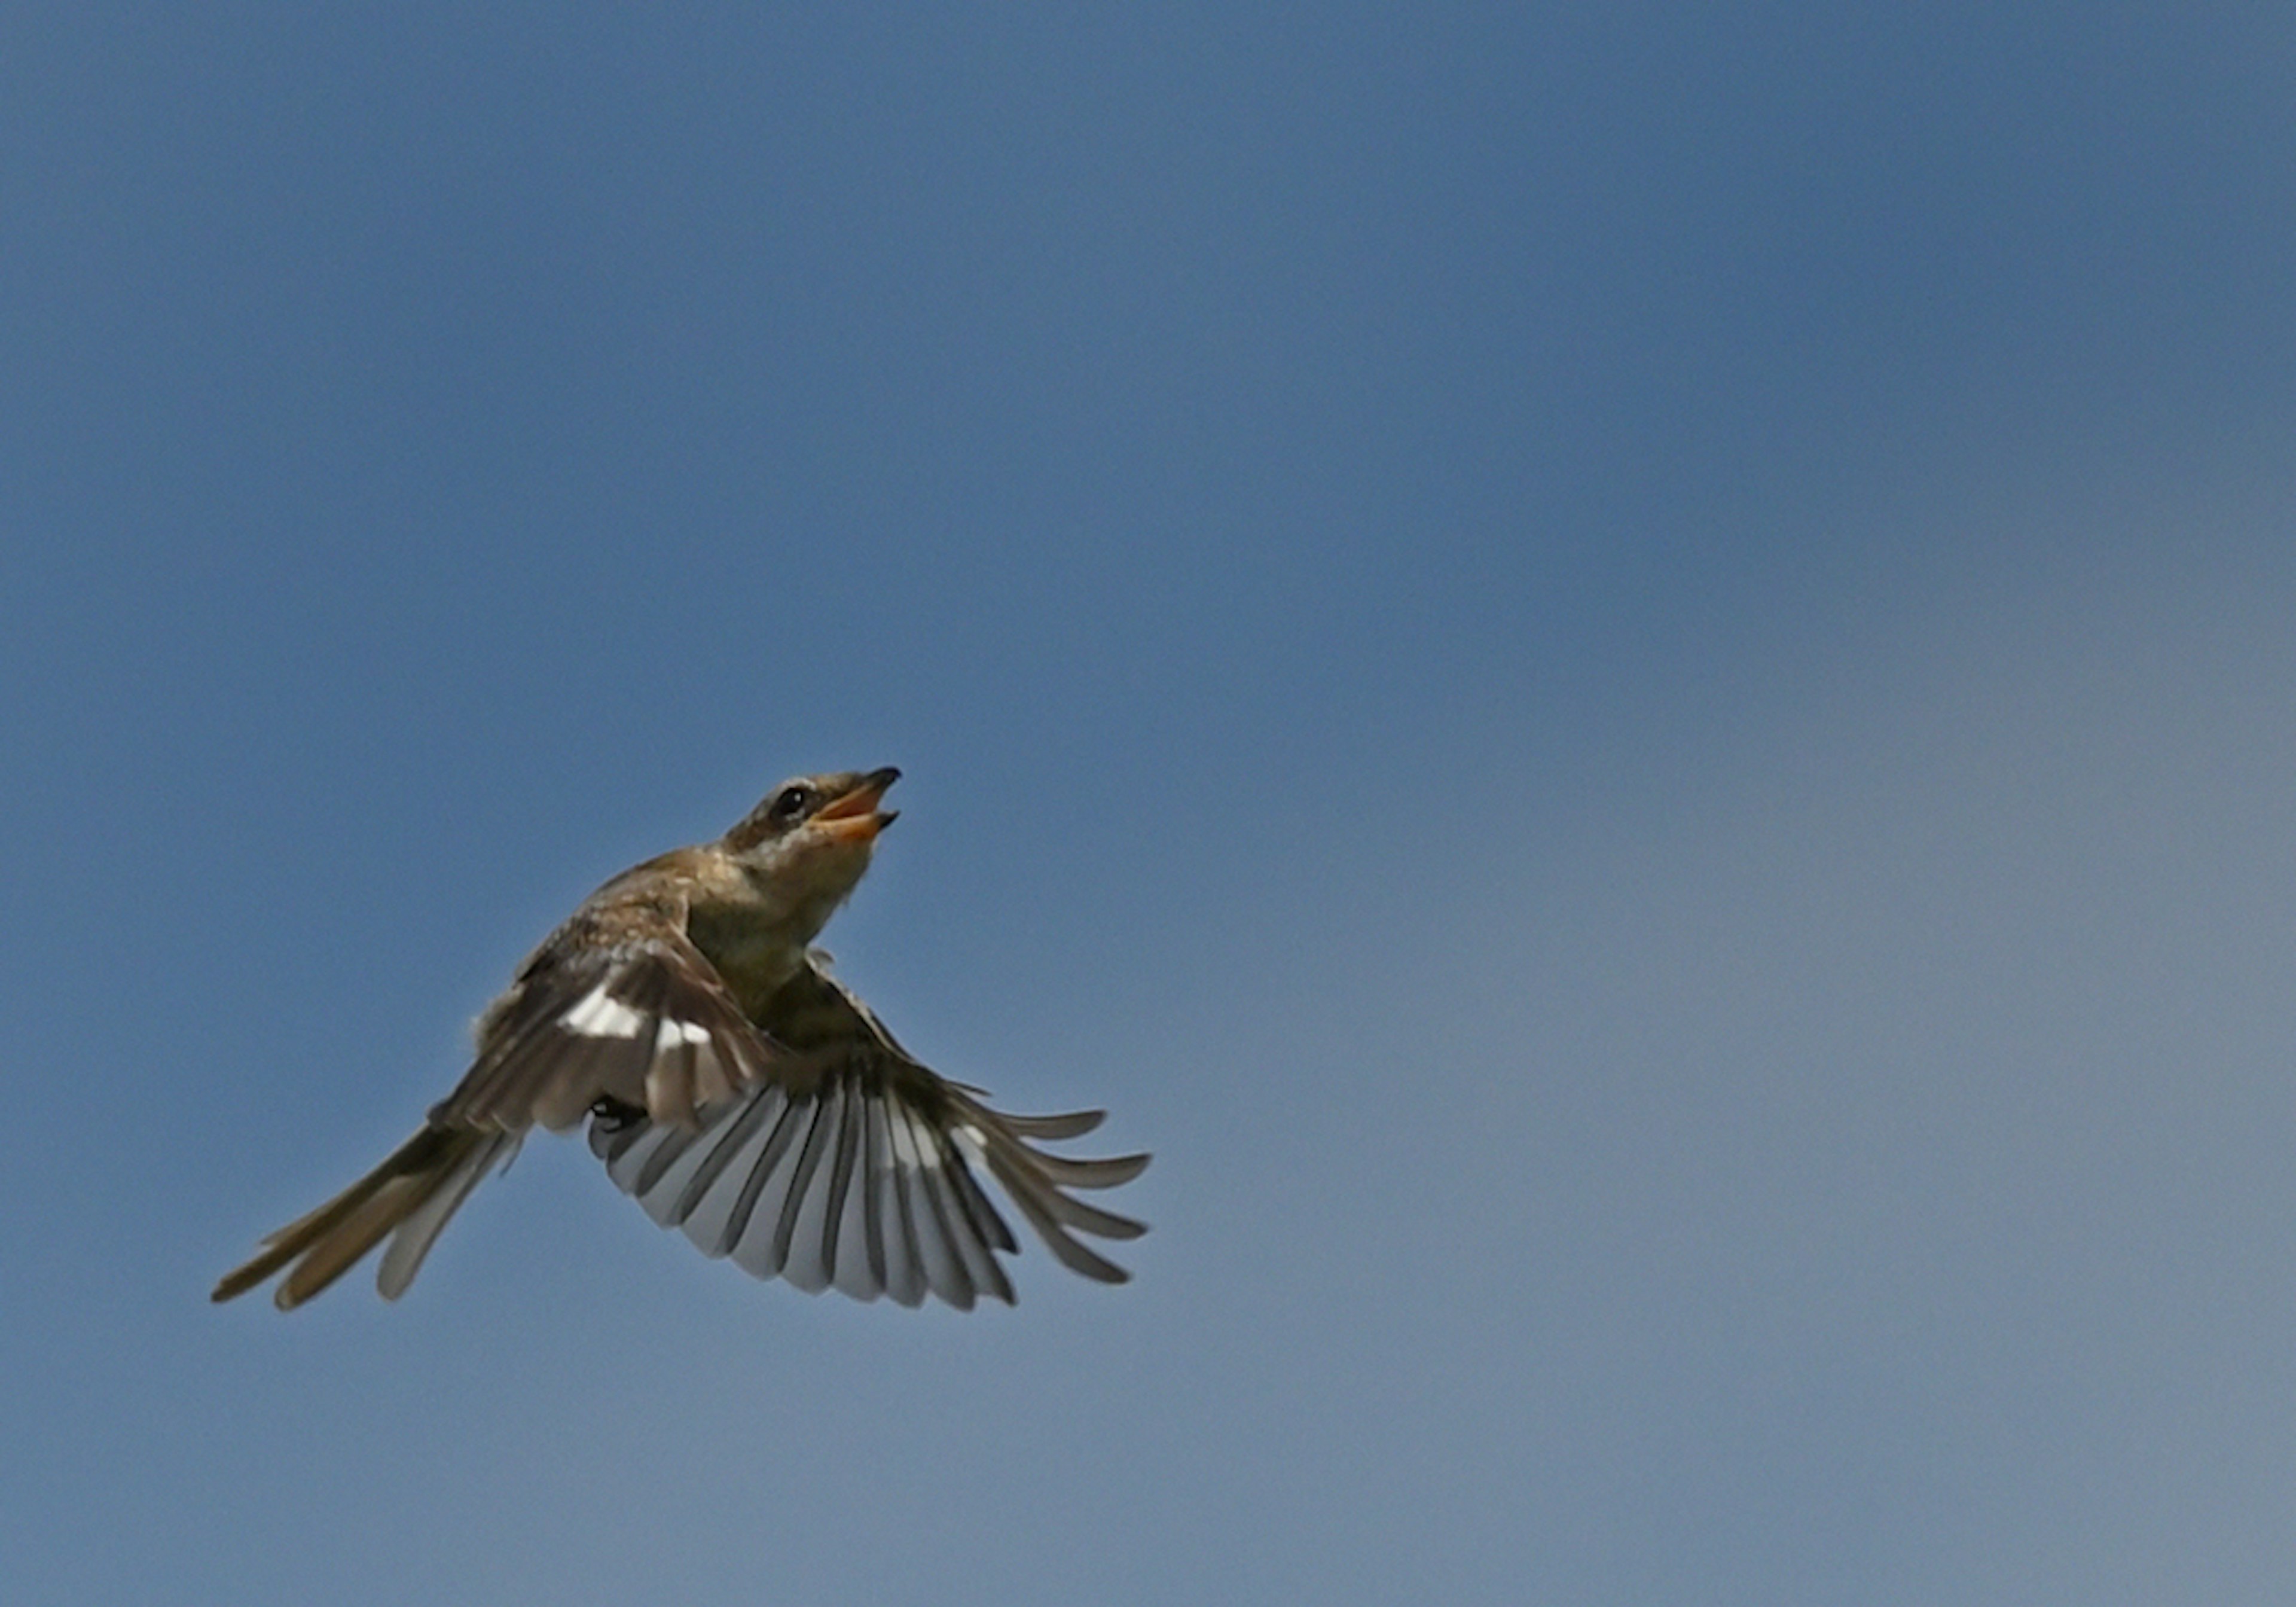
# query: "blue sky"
[1620,674]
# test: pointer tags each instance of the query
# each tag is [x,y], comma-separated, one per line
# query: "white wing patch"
[673,1033]
[599,1015]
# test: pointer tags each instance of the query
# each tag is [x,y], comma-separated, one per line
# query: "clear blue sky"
[1622,674]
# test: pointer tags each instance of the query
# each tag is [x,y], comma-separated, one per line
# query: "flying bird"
[732,1086]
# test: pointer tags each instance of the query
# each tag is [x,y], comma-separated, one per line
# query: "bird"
[734,1086]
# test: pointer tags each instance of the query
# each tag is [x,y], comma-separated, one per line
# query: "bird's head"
[810,837]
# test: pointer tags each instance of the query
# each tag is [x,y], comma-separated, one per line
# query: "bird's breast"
[755,957]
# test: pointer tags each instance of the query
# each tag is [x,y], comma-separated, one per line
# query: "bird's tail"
[409,1199]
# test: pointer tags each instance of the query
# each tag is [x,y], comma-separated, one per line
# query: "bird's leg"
[616,1115]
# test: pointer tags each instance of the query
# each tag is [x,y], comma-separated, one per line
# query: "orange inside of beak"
[855,817]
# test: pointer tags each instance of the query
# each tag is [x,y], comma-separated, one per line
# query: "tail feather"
[415,1236]
[414,1192]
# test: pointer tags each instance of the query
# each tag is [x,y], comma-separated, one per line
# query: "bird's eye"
[790,803]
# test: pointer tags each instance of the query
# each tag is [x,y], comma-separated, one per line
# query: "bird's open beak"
[855,816]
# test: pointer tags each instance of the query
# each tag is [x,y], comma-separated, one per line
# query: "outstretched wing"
[851,1164]
[617,1006]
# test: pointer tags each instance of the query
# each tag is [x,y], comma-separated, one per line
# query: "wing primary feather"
[674,1142]
[939,1263]
[808,1159]
[1075,1213]
[1075,1124]
[986,1221]
[754,1115]
[1065,1173]
[954,1282]
[873,1219]
[1026,1194]
[852,1129]
[979,1264]
[986,1232]
[904,1277]
[1019,1168]
[633,1151]
[817,1144]
[893,1245]
[797,1111]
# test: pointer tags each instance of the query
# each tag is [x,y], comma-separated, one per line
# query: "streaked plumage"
[734,1086]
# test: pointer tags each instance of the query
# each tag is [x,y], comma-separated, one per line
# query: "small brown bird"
[731,1086]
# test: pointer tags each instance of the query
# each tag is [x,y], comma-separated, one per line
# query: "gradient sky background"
[1622,674]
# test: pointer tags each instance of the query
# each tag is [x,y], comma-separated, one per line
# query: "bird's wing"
[617,1006]
[851,1164]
